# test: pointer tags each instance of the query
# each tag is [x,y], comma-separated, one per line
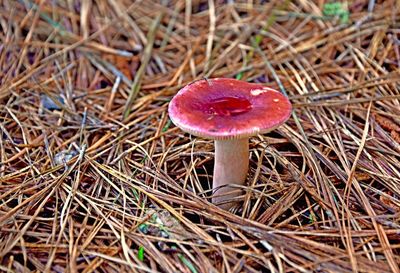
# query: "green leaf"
[332,9]
[239,76]
[187,263]
[141,253]
[311,219]
[166,127]
[336,9]
[344,18]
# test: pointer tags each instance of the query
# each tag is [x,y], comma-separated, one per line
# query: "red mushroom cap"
[223,108]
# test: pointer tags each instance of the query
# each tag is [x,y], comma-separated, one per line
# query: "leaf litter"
[102,181]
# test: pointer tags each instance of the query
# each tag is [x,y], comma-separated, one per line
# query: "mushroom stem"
[230,168]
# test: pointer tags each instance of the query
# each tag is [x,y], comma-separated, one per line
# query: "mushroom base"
[230,169]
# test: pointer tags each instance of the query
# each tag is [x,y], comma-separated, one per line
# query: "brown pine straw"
[94,177]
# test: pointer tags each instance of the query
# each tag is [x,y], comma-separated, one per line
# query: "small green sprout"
[336,9]
[141,253]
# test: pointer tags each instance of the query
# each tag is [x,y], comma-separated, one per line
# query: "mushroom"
[228,111]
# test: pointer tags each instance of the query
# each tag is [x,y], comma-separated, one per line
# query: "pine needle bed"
[94,177]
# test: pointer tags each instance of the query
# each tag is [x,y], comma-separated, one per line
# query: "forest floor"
[94,177]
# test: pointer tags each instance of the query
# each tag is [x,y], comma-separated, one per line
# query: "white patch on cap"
[275,100]
[257,92]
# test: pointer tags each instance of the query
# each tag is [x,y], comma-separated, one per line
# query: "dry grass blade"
[144,62]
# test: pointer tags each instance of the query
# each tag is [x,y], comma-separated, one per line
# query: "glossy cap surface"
[224,108]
